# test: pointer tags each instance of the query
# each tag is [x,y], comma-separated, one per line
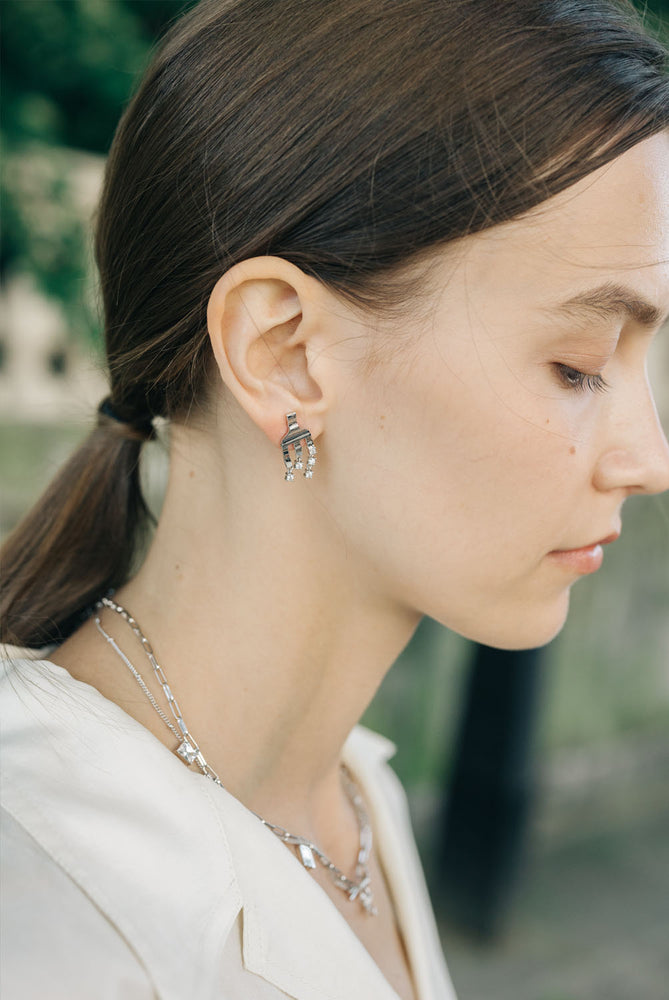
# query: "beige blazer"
[126,876]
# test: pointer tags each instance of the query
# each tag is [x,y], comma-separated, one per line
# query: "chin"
[527,627]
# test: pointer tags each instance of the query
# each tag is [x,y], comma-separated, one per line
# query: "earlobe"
[260,318]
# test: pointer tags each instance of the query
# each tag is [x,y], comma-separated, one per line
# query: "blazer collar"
[122,816]
[293,935]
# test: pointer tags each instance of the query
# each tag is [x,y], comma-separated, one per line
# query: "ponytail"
[79,540]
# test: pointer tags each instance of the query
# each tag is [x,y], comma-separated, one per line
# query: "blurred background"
[538,782]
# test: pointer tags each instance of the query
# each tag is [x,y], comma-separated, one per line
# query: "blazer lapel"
[293,935]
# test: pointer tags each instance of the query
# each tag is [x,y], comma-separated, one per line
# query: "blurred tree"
[70,65]
[68,68]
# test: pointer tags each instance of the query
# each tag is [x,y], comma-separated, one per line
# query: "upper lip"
[602,541]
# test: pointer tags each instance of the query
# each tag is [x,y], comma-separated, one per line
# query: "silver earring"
[295,436]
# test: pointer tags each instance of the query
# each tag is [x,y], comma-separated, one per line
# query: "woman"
[416,250]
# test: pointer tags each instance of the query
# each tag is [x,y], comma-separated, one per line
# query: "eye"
[580,381]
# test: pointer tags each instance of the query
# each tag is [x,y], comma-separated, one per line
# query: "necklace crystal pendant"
[365,895]
[361,890]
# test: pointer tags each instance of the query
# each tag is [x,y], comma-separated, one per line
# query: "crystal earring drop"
[295,436]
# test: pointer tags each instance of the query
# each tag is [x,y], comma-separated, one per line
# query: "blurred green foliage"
[68,68]
[70,65]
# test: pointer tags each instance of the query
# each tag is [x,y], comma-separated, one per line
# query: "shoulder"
[54,934]
[122,836]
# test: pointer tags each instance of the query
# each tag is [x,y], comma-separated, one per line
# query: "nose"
[636,457]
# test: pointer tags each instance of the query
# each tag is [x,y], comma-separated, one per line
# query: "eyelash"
[581,381]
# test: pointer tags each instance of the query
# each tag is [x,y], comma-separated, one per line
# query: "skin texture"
[445,477]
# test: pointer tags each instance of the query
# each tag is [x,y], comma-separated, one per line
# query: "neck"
[272,638]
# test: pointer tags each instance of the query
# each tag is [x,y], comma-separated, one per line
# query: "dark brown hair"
[346,136]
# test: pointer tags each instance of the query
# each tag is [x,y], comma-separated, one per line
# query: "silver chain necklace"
[189,752]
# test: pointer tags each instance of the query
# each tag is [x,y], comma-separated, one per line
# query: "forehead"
[611,225]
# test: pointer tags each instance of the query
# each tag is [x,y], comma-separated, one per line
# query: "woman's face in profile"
[514,426]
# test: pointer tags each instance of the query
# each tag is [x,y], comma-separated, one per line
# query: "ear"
[263,325]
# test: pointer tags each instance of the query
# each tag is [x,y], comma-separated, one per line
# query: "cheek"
[461,458]
[507,486]
[454,471]
[452,499]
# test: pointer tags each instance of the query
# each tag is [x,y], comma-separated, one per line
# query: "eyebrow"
[613,301]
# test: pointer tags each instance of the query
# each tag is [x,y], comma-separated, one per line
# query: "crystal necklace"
[188,750]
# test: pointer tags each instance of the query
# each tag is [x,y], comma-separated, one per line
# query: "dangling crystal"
[306,856]
[187,752]
[367,900]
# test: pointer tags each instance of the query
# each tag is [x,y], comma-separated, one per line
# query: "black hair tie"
[142,426]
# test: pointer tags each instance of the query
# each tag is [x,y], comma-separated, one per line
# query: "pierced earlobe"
[295,436]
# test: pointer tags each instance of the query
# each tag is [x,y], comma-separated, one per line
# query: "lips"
[586,559]
[579,560]
[591,545]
